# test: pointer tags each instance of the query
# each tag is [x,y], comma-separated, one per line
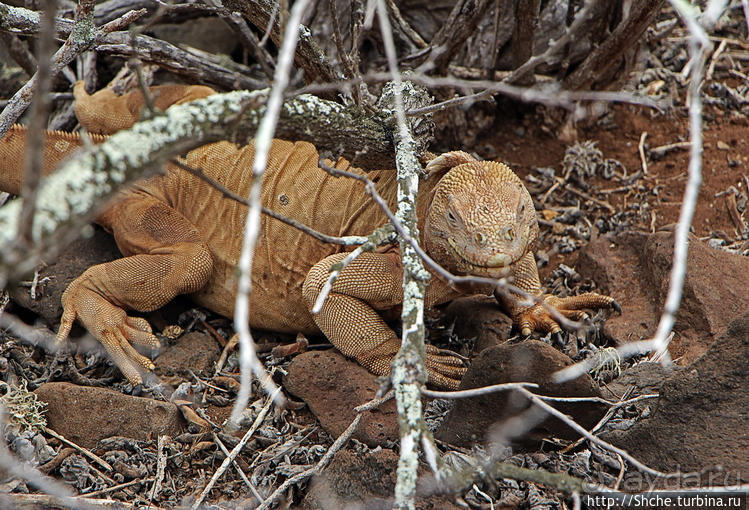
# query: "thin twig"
[117,487]
[235,451]
[408,372]
[641,150]
[198,172]
[34,153]
[450,103]
[248,360]
[246,480]
[475,392]
[699,45]
[590,437]
[160,468]
[84,451]
[321,464]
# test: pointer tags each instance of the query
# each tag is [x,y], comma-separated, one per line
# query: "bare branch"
[248,360]
[33,155]
[81,37]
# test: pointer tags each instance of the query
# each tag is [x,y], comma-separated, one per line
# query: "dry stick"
[238,448]
[84,451]
[119,486]
[246,480]
[641,150]
[248,39]
[549,96]
[403,24]
[36,501]
[248,360]
[344,240]
[33,154]
[160,468]
[79,40]
[559,44]
[699,47]
[450,103]
[321,464]
[475,392]
[590,437]
[325,459]
[714,59]
[348,67]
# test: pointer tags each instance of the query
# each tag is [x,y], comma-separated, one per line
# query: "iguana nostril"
[510,234]
[480,238]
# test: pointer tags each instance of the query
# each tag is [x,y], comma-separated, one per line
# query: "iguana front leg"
[171,259]
[536,317]
[350,321]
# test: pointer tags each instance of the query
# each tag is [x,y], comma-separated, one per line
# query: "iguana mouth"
[495,261]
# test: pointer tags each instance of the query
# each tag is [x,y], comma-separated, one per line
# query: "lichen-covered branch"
[70,196]
[407,372]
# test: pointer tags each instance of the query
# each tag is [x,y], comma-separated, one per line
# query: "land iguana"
[180,235]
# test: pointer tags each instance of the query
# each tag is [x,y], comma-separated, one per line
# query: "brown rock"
[635,269]
[363,481]
[702,416]
[614,264]
[646,377]
[74,260]
[351,481]
[193,351]
[533,361]
[707,307]
[481,318]
[332,386]
[86,414]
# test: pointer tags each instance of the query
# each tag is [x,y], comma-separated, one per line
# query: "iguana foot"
[110,325]
[444,368]
[538,318]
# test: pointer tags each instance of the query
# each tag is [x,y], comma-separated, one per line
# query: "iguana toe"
[539,318]
[111,326]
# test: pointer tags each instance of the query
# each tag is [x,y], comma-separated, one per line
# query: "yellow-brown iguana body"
[180,235]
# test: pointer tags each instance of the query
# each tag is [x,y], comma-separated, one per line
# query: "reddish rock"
[479,317]
[702,416]
[471,419]
[363,481]
[332,386]
[86,414]
[193,351]
[635,269]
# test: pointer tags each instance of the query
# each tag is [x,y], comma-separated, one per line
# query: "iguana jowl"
[179,235]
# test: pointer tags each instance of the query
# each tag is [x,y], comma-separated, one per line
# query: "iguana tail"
[57,146]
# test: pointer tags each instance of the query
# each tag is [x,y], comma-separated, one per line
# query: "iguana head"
[481,219]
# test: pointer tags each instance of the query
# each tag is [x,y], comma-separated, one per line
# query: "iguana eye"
[521,209]
[451,219]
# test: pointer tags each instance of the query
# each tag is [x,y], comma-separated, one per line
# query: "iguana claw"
[110,325]
[538,317]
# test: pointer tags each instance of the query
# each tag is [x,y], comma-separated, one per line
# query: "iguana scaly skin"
[179,235]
